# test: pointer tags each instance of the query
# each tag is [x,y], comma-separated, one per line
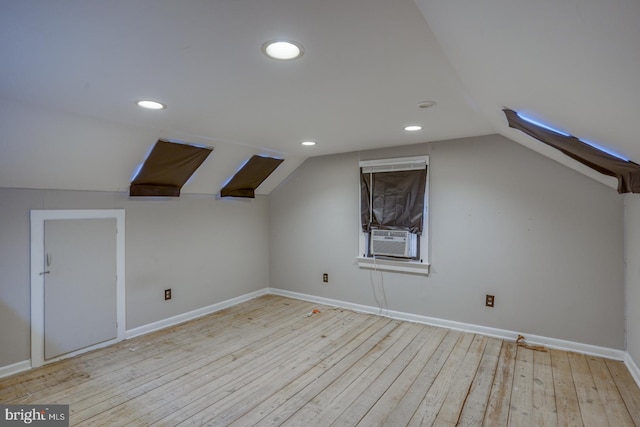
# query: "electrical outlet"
[490,300]
[167,294]
[325,278]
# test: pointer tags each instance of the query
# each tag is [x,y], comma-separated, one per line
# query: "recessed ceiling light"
[283,50]
[150,105]
[413,128]
[308,143]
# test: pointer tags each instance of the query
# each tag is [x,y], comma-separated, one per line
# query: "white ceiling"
[572,64]
[72,69]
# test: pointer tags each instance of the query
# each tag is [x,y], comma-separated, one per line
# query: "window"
[393,214]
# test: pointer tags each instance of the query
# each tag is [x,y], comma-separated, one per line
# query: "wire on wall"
[379,293]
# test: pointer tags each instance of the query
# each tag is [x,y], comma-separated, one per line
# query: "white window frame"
[420,267]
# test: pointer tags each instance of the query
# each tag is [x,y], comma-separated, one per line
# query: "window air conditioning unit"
[397,243]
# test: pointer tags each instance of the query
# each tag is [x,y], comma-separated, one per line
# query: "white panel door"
[79,284]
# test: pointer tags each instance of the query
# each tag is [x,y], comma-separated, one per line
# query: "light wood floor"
[265,362]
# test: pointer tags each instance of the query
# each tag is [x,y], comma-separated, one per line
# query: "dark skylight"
[167,168]
[250,176]
[595,157]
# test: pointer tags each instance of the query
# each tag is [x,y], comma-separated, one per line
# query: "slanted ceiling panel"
[167,169]
[250,176]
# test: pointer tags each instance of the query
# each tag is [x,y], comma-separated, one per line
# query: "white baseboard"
[609,353]
[184,317]
[459,326]
[5,371]
[633,368]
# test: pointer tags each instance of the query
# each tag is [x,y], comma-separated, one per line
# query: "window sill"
[411,267]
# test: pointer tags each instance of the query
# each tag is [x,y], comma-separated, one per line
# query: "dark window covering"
[250,176]
[627,173]
[397,200]
[167,168]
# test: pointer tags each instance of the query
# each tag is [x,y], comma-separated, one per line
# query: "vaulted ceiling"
[72,70]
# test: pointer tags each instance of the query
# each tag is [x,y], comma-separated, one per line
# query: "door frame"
[38,217]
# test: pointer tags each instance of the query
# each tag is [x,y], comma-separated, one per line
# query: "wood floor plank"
[233,406]
[333,400]
[406,408]
[429,407]
[591,409]
[154,365]
[277,365]
[266,363]
[544,399]
[452,406]
[73,372]
[222,377]
[82,410]
[472,414]
[288,400]
[400,387]
[627,388]
[521,413]
[243,345]
[499,405]
[567,406]
[355,412]
[616,410]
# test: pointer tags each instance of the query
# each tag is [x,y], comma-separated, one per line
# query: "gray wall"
[545,240]
[206,250]
[632,256]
